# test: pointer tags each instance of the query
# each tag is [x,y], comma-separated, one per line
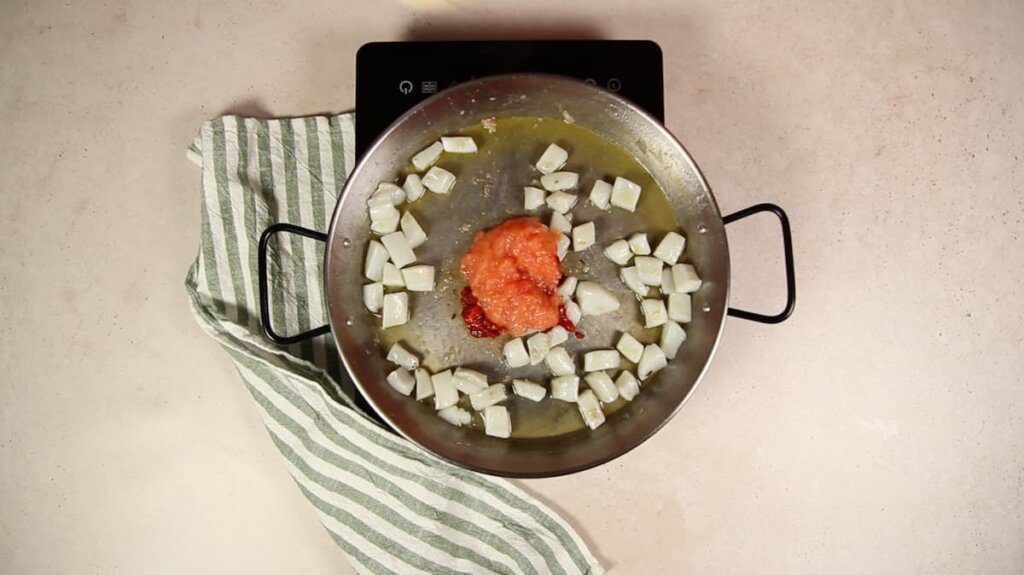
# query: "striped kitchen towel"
[391,506]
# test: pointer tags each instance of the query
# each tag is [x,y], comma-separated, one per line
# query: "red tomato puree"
[513,272]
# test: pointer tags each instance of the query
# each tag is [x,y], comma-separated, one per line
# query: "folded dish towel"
[391,506]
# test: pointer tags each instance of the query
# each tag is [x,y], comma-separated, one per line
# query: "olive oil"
[489,190]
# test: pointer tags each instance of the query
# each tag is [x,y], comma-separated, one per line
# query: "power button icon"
[405,86]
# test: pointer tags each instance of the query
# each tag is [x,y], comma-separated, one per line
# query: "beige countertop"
[880,430]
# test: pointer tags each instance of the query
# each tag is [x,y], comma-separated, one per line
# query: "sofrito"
[513,272]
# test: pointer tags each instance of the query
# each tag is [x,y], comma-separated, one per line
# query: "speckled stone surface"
[881,430]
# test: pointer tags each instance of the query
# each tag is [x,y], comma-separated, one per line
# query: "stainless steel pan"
[552,440]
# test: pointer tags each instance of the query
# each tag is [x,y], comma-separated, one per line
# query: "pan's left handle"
[787,246]
[268,329]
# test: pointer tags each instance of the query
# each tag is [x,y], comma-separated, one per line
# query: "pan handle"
[787,246]
[268,330]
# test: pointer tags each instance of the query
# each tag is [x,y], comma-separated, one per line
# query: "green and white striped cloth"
[391,506]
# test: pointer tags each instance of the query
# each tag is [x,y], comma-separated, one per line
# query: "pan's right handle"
[268,329]
[787,246]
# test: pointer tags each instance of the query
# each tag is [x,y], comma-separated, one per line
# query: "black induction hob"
[391,77]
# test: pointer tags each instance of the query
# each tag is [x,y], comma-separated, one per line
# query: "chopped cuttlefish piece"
[680,307]
[672,336]
[630,348]
[469,381]
[528,389]
[427,156]
[625,194]
[563,245]
[438,180]
[565,388]
[654,312]
[670,248]
[399,249]
[685,277]
[392,276]
[627,385]
[601,194]
[384,196]
[424,384]
[533,198]
[497,422]
[573,312]
[651,361]
[601,360]
[590,409]
[455,415]
[414,234]
[583,236]
[413,187]
[398,355]
[386,193]
[560,362]
[373,296]
[445,394]
[538,345]
[639,245]
[559,181]
[567,287]
[668,285]
[594,299]
[619,252]
[561,202]
[458,144]
[376,257]
[488,396]
[552,159]
[557,335]
[631,278]
[395,310]
[384,219]
[602,386]
[649,269]
[561,223]
[402,380]
[515,353]
[419,278]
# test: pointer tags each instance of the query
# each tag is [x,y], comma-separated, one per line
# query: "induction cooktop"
[391,77]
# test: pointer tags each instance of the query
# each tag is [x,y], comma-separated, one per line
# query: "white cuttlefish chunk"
[654,312]
[583,236]
[515,353]
[438,180]
[600,195]
[400,356]
[528,389]
[427,156]
[402,380]
[533,198]
[559,181]
[553,158]
[590,409]
[625,194]
[458,144]
[497,422]
[419,278]
[594,299]
[395,310]
[619,252]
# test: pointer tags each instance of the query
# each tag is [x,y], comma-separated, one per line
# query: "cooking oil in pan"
[489,190]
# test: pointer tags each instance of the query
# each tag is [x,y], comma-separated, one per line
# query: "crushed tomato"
[475,318]
[513,272]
